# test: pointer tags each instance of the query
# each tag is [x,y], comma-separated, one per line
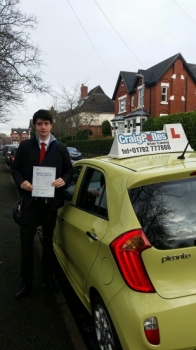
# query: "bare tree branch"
[20,59]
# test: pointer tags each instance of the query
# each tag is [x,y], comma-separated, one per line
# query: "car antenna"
[182,155]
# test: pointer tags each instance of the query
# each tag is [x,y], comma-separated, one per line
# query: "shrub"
[106,128]
[188,121]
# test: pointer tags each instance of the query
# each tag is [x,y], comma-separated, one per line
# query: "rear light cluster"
[152,331]
[127,250]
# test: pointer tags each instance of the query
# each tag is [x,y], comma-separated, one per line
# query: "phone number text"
[146,149]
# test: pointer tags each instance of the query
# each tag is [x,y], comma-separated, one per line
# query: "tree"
[74,116]
[20,59]
[106,128]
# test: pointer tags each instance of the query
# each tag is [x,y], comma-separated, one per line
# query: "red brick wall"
[19,137]
[121,92]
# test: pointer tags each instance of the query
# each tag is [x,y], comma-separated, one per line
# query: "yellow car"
[126,239]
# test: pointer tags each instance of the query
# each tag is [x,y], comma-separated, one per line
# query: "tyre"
[105,332]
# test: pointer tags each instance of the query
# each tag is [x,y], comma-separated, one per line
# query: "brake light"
[127,250]
[12,158]
[152,331]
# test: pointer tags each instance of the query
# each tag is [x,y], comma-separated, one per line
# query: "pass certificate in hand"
[42,181]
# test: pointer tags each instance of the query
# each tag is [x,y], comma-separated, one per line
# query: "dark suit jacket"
[27,156]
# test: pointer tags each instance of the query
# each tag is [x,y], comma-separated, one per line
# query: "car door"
[80,228]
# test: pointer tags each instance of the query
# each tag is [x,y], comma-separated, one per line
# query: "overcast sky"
[91,41]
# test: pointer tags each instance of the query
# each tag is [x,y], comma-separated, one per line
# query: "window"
[69,190]
[121,127]
[122,104]
[132,101]
[142,121]
[140,96]
[134,125]
[128,126]
[164,93]
[167,213]
[92,193]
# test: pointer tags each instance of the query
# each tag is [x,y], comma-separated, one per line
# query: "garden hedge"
[90,148]
[188,121]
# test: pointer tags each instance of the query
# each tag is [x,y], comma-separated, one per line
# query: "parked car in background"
[74,153]
[1,148]
[8,154]
[126,240]
[5,148]
[12,157]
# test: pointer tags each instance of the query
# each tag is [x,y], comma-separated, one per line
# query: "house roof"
[138,112]
[19,130]
[96,102]
[153,74]
[128,79]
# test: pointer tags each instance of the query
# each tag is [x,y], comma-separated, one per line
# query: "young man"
[38,210]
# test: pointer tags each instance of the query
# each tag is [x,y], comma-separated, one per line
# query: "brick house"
[18,135]
[166,88]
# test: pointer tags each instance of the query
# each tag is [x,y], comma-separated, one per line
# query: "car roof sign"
[171,139]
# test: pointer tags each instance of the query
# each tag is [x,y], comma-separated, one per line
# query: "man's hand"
[25,185]
[58,183]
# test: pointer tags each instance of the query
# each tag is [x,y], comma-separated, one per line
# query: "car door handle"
[92,235]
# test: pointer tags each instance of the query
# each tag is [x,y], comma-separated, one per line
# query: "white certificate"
[42,181]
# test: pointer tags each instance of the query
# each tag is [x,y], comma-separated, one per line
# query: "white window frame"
[164,93]
[132,101]
[140,96]
[122,104]
[121,126]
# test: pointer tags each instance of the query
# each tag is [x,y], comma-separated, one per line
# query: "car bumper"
[175,317]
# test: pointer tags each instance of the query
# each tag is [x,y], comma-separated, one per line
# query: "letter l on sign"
[173,134]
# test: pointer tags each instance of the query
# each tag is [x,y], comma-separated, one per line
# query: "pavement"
[43,319]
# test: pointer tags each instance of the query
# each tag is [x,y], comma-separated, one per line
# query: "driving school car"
[126,240]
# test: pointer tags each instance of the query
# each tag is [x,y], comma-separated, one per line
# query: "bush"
[90,148]
[188,121]
[64,139]
[83,134]
[106,128]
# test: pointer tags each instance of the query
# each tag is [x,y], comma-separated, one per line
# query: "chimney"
[84,91]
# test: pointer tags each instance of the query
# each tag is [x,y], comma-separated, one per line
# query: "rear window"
[167,212]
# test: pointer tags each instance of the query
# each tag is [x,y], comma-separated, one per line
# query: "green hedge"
[92,147]
[188,121]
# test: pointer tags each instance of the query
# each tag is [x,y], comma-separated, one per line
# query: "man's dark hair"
[42,114]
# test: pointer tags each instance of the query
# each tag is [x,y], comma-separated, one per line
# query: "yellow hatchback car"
[126,240]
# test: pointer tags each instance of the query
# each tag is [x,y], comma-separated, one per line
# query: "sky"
[91,41]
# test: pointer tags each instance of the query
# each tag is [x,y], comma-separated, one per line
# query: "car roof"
[146,163]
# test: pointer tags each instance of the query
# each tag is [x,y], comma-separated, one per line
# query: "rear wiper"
[182,155]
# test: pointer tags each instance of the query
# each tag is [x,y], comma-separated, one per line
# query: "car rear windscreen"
[167,212]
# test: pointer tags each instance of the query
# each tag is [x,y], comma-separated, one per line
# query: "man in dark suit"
[38,210]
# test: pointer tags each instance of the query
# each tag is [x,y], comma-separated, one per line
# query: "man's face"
[43,128]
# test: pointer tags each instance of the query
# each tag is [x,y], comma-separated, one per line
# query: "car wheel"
[105,332]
